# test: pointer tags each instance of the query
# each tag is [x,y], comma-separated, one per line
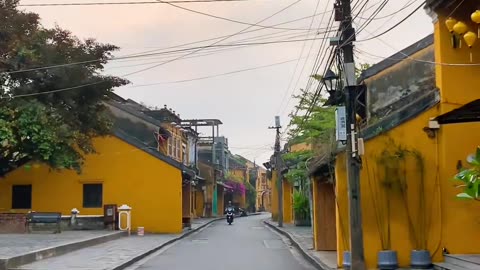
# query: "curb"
[316,262]
[56,251]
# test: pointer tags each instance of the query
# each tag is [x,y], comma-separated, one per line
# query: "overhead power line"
[407,5]
[150,52]
[395,25]
[166,52]
[166,62]
[287,90]
[124,3]
[218,75]
[231,20]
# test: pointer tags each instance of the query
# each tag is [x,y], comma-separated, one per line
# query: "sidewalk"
[302,238]
[116,254]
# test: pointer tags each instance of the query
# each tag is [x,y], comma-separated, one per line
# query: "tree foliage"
[315,127]
[470,178]
[55,128]
[360,68]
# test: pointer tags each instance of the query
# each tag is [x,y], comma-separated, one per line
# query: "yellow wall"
[240,199]
[300,147]
[458,85]
[448,222]
[274,196]
[129,176]
[450,226]
[287,202]
[220,200]
[199,203]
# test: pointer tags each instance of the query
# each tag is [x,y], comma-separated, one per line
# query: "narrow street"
[247,244]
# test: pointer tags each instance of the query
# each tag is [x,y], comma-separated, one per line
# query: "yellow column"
[315,220]
[274,197]
[287,202]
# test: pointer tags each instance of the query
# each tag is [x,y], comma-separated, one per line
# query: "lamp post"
[330,80]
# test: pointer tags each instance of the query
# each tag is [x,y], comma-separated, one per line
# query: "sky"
[246,102]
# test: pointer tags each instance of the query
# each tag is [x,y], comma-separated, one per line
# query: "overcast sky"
[247,101]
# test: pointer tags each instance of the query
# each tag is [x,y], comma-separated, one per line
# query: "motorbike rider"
[229,207]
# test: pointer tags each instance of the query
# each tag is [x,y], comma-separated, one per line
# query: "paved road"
[246,245]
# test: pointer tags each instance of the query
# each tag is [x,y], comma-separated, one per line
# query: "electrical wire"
[416,60]
[287,90]
[316,66]
[166,62]
[212,51]
[124,3]
[195,49]
[304,65]
[396,25]
[145,53]
[230,20]
[217,75]
[407,5]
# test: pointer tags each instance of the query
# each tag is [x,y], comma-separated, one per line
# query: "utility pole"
[353,159]
[278,169]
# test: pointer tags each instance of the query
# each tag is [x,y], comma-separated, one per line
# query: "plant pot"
[347,260]
[420,259]
[387,260]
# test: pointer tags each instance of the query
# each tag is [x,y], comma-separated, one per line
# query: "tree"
[360,68]
[54,128]
[315,127]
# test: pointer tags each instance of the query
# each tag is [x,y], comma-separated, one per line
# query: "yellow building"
[263,188]
[287,198]
[127,169]
[411,154]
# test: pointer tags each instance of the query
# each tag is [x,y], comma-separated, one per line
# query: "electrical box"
[341,124]
[277,121]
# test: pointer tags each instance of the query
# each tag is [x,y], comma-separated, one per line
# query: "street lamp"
[330,81]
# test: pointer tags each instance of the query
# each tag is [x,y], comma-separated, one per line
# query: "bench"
[45,217]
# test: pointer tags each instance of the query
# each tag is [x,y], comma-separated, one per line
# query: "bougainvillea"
[238,188]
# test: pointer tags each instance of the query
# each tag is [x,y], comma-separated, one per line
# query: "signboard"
[277,121]
[341,124]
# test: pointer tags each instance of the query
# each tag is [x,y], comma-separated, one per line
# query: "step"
[116,254]
[466,261]
[450,266]
[27,250]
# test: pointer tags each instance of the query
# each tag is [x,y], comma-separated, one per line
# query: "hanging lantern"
[450,22]
[476,19]
[460,28]
[470,38]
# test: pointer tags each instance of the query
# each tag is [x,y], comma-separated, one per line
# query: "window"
[92,195]
[177,155]
[184,153]
[22,197]
[170,147]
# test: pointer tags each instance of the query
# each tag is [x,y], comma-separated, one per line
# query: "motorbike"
[230,214]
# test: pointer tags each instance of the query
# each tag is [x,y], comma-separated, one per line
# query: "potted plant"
[301,208]
[470,178]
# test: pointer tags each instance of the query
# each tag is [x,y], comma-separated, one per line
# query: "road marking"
[141,262]
[258,227]
[274,244]
[200,241]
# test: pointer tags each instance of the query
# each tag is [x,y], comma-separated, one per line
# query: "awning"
[469,112]
[224,185]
